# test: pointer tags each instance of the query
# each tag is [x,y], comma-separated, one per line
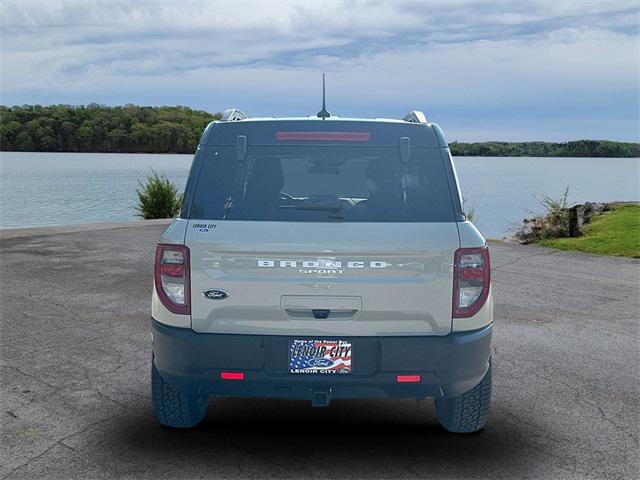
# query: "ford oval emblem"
[320,362]
[215,294]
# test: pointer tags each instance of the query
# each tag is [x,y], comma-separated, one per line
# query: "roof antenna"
[323,113]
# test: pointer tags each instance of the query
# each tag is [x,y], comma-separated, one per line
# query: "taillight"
[471,277]
[172,277]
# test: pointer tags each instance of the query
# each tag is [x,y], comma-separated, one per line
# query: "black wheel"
[468,412]
[173,407]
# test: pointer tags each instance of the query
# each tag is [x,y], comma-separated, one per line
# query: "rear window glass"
[309,183]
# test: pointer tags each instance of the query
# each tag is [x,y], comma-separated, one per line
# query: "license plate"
[320,356]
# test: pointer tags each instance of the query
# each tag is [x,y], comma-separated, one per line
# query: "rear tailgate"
[299,278]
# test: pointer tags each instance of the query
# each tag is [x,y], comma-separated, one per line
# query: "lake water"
[38,189]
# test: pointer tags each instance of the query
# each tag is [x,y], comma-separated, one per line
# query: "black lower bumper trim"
[448,365]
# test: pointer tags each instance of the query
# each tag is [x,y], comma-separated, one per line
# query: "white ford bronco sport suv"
[320,259]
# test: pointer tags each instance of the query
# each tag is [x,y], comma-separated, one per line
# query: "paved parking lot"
[75,353]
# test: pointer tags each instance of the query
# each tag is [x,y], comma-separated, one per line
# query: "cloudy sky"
[503,70]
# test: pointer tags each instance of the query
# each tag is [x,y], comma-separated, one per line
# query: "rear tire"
[173,407]
[466,413]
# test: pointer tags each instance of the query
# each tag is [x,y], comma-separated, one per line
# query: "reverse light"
[172,277]
[471,279]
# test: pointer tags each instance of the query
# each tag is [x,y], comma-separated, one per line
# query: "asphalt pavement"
[75,360]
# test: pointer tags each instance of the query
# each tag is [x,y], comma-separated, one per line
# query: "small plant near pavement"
[158,198]
[557,214]
[552,223]
[469,210]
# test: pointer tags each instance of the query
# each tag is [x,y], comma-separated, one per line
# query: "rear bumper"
[448,365]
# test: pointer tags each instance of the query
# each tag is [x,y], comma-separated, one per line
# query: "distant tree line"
[578,148]
[99,128]
[135,129]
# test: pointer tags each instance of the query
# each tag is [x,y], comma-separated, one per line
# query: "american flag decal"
[320,356]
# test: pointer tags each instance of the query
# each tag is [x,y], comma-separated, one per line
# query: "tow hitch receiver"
[320,398]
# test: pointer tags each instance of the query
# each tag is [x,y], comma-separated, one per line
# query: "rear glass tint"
[312,183]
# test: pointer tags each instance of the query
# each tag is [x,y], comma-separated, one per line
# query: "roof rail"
[233,115]
[415,116]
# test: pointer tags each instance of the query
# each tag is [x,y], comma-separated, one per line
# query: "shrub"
[556,214]
[469,210]
[552,223]
[158,198]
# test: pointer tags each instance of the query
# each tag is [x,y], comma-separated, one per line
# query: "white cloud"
[528,58]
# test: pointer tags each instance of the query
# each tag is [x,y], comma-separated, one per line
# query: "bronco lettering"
[321,264]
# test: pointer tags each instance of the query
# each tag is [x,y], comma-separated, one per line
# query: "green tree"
[98,128]
[132,128]
[117,140]
[25,142]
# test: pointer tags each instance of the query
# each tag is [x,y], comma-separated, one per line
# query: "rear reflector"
[232,376]
[325,136]
[408,378]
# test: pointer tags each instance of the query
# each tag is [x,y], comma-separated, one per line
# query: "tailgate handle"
[320,313]
[321,307]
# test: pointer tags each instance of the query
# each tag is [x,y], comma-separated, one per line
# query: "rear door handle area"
[321,314]
[321,307]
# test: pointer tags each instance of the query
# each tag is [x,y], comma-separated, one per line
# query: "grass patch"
[616,232]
